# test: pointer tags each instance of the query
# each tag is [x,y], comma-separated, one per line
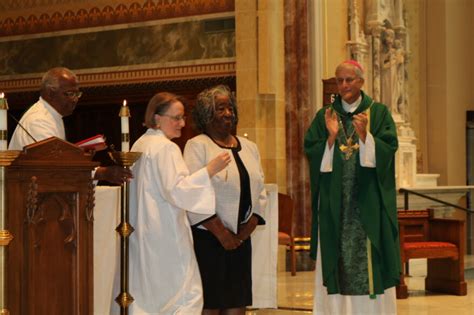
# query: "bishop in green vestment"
[351,147]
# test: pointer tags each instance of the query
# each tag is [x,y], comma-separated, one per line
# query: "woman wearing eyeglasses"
[164,276]
[222,240]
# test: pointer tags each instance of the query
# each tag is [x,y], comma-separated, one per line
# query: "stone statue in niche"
[390,87]
[380,10]
[399,93]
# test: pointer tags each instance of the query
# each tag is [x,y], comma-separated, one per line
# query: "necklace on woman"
[227,144]
[230,146]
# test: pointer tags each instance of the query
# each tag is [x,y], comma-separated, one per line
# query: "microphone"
[21,126]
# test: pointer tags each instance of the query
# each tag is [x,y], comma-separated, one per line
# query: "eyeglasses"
[176,118]
[72,94]
[348,80]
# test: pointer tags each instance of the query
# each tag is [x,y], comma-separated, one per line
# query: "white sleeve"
[326,163]
[39,129]
[195,158]
[193,192]
[367,151]
[42,129]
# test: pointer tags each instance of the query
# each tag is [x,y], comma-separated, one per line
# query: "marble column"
[298,111]
[260,82]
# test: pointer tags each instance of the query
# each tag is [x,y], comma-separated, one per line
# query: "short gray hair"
[347,65]
[51,78]
[205,109]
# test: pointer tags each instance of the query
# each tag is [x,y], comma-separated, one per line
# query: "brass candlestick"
[126,160]
[6,158]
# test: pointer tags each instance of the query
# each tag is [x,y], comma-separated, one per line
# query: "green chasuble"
[353,203]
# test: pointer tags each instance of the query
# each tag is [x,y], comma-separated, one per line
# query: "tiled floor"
[295,295]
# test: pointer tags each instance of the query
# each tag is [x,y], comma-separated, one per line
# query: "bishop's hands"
[218,163]
[332,125]
[359,122]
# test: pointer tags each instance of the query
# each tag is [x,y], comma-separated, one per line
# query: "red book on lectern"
[96,143]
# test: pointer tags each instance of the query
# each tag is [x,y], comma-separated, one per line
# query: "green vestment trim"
[370,210]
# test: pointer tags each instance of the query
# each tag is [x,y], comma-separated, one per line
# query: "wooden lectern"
[50,215]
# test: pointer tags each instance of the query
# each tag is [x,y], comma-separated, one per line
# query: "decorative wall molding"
[121,14]
[105,77]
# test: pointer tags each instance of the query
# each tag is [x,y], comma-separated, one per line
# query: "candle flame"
[124,102]
[2,95]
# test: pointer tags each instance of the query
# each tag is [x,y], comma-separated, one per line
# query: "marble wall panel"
[156,44]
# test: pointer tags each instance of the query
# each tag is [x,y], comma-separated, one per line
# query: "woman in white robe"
[164,276]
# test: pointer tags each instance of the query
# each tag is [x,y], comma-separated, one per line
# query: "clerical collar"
[350,108]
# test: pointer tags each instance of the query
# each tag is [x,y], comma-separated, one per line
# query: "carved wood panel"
[51,250]
[50,260]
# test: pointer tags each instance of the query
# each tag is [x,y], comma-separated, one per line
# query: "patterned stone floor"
[295,295]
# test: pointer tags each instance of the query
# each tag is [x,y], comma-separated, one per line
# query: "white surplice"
[164,276]
[42,121]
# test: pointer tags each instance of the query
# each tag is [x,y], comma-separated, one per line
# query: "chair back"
[414,225]
[442,242]
[285,214]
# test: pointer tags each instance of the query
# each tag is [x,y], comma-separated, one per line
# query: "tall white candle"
[3,122]
[125,127]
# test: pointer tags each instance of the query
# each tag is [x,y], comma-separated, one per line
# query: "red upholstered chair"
[285,226]
[442,242]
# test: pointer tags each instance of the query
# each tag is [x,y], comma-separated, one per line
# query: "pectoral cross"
[348,149]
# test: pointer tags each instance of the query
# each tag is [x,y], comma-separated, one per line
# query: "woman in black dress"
[222,241]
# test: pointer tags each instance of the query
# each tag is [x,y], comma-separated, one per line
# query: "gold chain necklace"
[348,148]
[225,145]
